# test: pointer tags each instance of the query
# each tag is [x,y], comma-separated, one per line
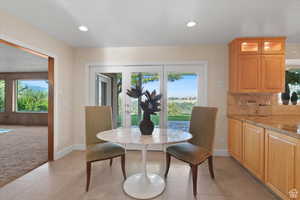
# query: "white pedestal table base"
[140,186]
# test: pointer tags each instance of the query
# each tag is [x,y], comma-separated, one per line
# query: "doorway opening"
[26,110]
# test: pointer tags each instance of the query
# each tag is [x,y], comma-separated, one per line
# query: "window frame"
[5,92]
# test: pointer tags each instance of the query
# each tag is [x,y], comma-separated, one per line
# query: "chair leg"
[211,167]
[110,162]
[123,166]
[195,174]
[168,159]
[88,175]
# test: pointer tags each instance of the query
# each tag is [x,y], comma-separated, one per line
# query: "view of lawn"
[2,95]
[32,96]
[178,110]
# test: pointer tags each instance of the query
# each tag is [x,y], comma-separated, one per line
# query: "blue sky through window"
[35,84]
[185,87]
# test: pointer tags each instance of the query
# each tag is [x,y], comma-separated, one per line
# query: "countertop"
[287,124]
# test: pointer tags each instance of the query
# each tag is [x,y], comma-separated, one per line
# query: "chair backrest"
[202,126]
[97,119]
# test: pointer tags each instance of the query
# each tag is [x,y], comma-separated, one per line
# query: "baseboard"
[68,150]
[79,147]
[63,152]
[221,152]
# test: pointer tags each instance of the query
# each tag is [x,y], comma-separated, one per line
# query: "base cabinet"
[235,139]
[280,163]
[272,157]
[253,148]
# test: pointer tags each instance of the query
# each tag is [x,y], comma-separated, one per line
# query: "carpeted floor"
[21,150]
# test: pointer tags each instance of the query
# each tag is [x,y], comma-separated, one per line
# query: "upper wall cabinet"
[257,65]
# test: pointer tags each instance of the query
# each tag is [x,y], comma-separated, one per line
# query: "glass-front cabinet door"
[249,46]
[273,46]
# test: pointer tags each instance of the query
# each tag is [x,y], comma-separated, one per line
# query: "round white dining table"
[144,185]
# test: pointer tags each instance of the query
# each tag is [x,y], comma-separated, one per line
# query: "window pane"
[109,93]
[182,97]
[32,96]
[150,82]
[2,95]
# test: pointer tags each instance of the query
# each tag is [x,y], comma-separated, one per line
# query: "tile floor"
[64,179]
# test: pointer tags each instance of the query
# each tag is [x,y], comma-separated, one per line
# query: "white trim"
[88,65]
[79,147]
[114,67]
[63,152]
[69,149]
[292,62]
[56,81]
[147,63]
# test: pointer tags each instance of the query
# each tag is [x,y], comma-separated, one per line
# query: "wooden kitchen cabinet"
[282,163]
[235,139]
[253,150]
[248,78]
[257,65]
[273,72]
[272,157]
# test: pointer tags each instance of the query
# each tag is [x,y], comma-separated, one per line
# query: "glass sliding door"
[182,87]
[148,81]
[109,93]
[182,91]
[185,87]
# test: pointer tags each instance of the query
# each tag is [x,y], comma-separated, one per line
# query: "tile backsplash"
[258,104]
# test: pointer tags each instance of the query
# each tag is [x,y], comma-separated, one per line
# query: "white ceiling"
[158,22]
[16,60]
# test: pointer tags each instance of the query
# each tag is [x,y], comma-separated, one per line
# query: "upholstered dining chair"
[99,118]
[200,147]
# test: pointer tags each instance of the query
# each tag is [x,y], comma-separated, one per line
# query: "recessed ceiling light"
[191,24]
[83,28]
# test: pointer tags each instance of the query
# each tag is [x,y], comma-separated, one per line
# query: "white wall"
[216,55]
[16,60]
[18,31]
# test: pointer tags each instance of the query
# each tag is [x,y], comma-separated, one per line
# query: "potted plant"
[285,96]
[294,98]
[150,106]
